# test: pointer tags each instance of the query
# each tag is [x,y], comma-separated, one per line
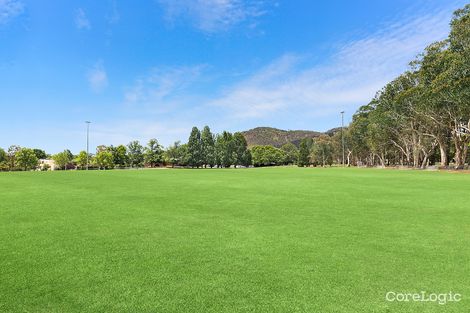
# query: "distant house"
[47,164]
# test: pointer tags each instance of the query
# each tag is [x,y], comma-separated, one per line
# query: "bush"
[267,156]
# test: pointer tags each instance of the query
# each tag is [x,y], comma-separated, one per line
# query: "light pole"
[87,142]
[342,134]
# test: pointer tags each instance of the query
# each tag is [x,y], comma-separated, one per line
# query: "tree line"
[202,150]
[423,116]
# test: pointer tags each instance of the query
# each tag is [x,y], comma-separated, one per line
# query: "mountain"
[276,137]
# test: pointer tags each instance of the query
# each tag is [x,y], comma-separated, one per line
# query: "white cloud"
[213,16]
[81,20]
[113,17]
[97,77]
[348,79]
[162,85]
[10,9]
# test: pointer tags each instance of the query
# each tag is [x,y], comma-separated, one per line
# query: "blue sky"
[155,68]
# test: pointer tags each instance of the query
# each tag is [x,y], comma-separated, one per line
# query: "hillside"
[276,137]
[332,131]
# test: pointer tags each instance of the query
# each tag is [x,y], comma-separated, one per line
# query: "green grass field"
[246,240]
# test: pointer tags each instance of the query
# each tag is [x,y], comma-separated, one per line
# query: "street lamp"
[87,142]
[342,135]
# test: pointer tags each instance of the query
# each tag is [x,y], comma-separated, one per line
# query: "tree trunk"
[460,152]
[443,152]
[416,151]
[349,157]
[425,161]
[381,159]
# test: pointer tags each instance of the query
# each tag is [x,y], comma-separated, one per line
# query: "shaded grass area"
[247,240]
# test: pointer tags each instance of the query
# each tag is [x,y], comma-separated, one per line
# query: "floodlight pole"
[87,142]
[342,134]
